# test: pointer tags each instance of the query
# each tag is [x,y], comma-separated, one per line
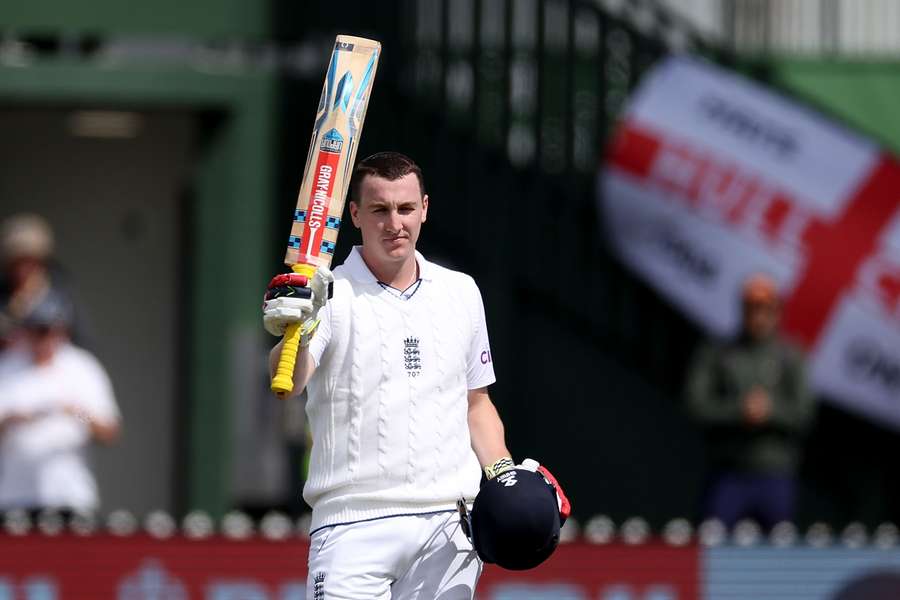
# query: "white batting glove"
[293,298]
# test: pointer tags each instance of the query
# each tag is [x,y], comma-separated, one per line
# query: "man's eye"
[378,209]
[405,210]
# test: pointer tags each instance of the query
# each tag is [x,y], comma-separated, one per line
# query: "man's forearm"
[793,410]
[704,404]
[486,429]
[710,410]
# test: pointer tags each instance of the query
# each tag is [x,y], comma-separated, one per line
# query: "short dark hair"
[387,165]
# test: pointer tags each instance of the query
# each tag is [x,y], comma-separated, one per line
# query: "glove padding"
[293,298]
[565,508]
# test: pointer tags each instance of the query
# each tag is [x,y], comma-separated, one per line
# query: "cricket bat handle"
[283,381]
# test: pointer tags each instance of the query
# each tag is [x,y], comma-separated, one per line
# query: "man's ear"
[354,213]
[424,208]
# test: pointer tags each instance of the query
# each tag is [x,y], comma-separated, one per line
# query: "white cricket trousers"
[420,557]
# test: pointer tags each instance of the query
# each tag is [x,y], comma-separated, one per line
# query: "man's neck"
[42,360]
[399,275]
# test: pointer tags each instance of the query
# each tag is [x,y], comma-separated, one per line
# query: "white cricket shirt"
[388,402]
[42,461]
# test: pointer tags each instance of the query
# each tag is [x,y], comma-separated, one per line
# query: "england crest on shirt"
[412,358]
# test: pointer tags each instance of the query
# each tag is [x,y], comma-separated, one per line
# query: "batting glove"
[294,298]
[565,508]
[501,465]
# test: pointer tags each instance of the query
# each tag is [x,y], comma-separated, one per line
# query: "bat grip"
[283,381]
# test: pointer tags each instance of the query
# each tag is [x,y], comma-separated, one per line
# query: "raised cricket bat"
[329,164]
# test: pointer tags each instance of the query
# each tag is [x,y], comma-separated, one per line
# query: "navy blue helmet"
[515,520]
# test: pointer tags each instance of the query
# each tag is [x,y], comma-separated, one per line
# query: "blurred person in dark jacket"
[751,399]
[55,398]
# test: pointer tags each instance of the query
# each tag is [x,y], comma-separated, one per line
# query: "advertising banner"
[652,571]
[711,177]
[139,567]
[801,573]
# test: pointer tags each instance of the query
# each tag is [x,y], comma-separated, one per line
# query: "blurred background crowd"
[148,172]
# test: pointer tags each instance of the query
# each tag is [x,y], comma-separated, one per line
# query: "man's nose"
[394,221]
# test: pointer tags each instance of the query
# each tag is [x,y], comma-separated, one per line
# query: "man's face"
[43,342]
[760,319]
[389,216]
[21,269]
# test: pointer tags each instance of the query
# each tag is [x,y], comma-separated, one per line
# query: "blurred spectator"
[26,244]
[750,397]
[54,399]
[28,272]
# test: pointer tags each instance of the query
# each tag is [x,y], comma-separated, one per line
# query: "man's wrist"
[499,466]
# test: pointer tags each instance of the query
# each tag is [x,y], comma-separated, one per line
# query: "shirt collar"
[359,271]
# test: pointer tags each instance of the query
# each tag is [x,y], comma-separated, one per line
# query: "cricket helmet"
[515,520]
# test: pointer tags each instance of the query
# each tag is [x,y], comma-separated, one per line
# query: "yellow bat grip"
[283,381]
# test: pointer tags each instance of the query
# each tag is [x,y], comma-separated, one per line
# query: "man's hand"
[757,406]
[294,298]
[102,431]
